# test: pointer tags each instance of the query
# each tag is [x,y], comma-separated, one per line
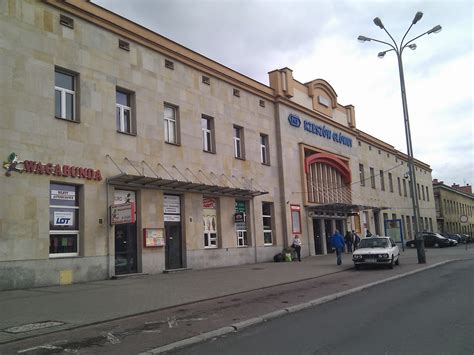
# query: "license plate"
[371,260]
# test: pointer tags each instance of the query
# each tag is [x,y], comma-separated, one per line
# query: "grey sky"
[317,39]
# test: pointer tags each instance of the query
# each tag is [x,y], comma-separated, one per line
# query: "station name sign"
[36,167]
[319,130]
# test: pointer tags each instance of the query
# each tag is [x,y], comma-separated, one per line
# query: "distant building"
[125,152]
[454,208]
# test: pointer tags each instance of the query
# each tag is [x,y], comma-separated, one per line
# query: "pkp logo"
[294,120]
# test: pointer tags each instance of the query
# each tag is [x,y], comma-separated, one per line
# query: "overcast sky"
[318,39]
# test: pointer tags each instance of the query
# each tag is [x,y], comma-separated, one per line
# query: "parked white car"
[376,251]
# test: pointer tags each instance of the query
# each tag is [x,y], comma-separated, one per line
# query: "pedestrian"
[337,242]
[297,246]
[349,242]
[356,240]
[368,234]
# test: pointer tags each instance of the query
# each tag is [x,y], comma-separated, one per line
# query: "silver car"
[376,251]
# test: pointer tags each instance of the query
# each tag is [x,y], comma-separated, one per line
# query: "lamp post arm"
[395,43]
[379,41]
[406,44]
[401,43]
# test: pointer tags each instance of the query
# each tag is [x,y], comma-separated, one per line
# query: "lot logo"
[294,120]
[13,164]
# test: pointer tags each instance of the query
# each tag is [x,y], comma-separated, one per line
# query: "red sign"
[61,170]
[122,214]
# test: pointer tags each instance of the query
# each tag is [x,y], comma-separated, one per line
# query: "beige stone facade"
[454,208]
[191,187]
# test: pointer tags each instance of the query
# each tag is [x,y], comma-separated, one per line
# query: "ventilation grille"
[237,92]
[124,45]
[66,21]
[206,80]
[169,64]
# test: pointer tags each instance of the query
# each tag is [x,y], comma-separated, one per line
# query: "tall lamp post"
[398,49]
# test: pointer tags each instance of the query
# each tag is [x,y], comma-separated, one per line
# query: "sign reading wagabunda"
[36,167]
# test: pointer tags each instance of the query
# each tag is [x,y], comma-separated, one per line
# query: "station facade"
[125,152]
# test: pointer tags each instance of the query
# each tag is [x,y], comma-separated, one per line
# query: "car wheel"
[398,261]
[436,245]
[391,264]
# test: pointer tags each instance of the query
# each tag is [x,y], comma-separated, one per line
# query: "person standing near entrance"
[337,242]
[356,240]
[349,241]
[297,246]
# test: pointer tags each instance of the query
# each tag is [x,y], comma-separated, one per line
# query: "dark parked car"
[457,237]
[467,237]
[431,240]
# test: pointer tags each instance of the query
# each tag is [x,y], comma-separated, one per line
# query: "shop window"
[264,156]
[65,84]
[63,220]
[295,219]
[241,223]
[239,142]
[267,212]
[170,121]
[124,113]
[207,126]
[209,208]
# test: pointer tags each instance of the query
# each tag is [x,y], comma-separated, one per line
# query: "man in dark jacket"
[337,242]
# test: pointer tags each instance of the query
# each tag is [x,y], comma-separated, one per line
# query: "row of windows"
[458,228]
[453,207]
[423,192]
[408,224]
[65,108]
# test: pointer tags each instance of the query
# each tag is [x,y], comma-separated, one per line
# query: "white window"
[267,223]
[241,238]
[238,151]
[170,122]
[123,112]
[241,223]
[207,134]
[264,149]
[209,208]
[64,95]
[63,220]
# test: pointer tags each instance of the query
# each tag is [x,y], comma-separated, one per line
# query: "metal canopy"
[343,208]
[148,182]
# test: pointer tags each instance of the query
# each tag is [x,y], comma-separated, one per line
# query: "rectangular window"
[423,192]
[207,126]
[209,213]
[427,194]
[65,95]
[239,142]
[382,180]
[264,157]
[241,223]
[399,186]
[419,192]
[390,182]
[170,121]
[372,178]
[123,107]
[361,175]
[267,209]
[404,187]
[63,220]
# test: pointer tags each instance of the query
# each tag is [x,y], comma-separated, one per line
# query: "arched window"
[328,179]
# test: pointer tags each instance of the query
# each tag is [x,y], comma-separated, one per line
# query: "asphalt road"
[427,313]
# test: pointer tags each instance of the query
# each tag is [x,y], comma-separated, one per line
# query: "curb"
[278,313]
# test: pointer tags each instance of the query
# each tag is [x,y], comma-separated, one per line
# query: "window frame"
[264,149]
[63,93]
[390,182]
[382,180]
[372,177]
[208,135]
[76,210]
[267,231]
[361,174]
[171,121]
[120,121]
[238,142]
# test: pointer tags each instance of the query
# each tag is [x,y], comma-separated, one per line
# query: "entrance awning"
[343,208]
[184,180]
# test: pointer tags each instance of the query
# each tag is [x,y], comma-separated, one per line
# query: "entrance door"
[318,246]
[173,258]
[328,232]
[125,248]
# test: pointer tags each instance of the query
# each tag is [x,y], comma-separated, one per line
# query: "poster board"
[153,237]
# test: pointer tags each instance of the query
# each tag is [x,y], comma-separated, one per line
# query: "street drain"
[32,326]
[258,268]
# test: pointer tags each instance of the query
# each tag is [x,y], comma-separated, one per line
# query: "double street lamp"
[398,49]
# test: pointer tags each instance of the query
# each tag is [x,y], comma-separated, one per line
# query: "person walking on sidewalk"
[356,240]
[337,242]
[349,242]
[297,246]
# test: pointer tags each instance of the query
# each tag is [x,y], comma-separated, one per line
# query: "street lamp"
[398,49]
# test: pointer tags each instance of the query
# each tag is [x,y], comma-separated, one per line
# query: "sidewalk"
[94,302]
